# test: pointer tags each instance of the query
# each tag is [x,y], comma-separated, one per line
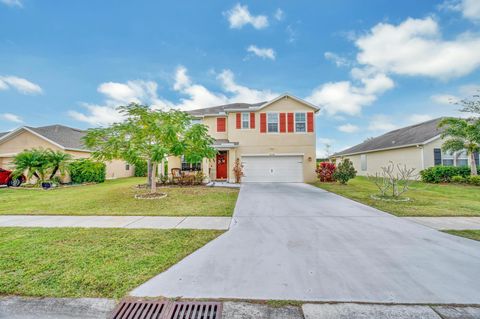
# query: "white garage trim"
[280,168]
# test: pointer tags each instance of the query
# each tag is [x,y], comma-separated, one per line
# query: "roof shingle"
[410,135]
[223,108]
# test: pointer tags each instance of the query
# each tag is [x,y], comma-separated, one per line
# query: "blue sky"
[371,65]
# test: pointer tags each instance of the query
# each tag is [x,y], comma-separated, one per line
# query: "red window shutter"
[252,120]
[283,123]
[310,122]
[290,122]
[221,124]
[263,122]
[239,120]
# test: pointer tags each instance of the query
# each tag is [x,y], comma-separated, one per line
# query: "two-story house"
[275,141]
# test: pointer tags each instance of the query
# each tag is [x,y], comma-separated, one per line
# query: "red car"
[7,179]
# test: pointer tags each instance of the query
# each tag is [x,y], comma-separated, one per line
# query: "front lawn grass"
[427,199]
[471,234]
[78,262]
[116,197]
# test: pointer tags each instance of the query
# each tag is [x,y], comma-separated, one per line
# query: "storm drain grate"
[163,309]
[141,309]
[195,310]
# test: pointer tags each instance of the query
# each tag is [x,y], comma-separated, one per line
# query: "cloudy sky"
[371,65]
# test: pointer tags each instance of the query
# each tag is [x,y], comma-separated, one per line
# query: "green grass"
[75,262]
[471,234]
[427,199]
[116,197]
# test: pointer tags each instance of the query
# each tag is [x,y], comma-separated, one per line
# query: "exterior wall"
[428,159]
[410,156]
[118,169]
[24,140]
[211,122]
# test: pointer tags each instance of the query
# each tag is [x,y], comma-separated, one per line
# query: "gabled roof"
[65,137]
[233,107]
[412,135]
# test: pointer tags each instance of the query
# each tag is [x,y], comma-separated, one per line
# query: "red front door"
[222,165]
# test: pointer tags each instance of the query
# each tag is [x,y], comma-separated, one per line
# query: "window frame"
[191,167]
[243,121]
[449,156]
[363,162]
[304,122]
[277,122]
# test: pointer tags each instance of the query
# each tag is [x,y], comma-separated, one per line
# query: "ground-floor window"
[186,166]
[363,162]
[459,158]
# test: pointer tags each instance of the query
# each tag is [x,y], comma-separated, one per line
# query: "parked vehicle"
[7,179]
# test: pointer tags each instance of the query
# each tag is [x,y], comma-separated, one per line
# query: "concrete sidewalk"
[444,223]
[153,222]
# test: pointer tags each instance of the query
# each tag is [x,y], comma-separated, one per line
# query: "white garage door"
[286,169]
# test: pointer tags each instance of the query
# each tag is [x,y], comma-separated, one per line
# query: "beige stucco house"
[417,146]
[55,137]
[274,140]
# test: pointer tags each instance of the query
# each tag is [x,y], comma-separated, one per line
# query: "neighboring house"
[418,146]
[274,140]
[55,137]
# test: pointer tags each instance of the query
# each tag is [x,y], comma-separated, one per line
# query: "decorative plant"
[344,171]
[238,171]
[325,171]
[394,180]
[86,170]
[40,163]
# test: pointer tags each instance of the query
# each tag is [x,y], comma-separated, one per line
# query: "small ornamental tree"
[462,134]
[40,163]
[345,171]
[151,135]
[238,170]
[325,171]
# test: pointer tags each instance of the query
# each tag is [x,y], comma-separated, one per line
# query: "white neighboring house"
[418,146]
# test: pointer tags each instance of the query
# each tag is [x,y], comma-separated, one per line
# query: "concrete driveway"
[298,242]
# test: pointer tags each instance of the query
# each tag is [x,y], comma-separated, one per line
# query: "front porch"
[218,169]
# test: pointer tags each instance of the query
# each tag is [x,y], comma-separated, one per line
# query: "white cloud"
[345,97]
[239,16]
[381,123]
[145,92]
[242,93]
[335,58]
[470,9]
[11,117]
[265,53]
[22,85]
[348,128]
[444,98]
[12,3]
[279,14]
[419,118]
[415,47]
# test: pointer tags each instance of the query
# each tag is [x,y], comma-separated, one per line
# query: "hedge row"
[444,174]
[87,171]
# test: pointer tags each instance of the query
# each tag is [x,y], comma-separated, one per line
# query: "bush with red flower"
[325,171]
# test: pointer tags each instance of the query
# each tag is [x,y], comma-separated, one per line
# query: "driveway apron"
[298,242]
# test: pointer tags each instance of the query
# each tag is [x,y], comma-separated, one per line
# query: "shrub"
[457,179]
[345,171]
[238,170]
[443,174]
[325,171]
[141,169]
[87,171]
[474,180]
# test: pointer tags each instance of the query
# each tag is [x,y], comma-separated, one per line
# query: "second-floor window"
[272,122]
[221,124]
[300,122]
[245,120]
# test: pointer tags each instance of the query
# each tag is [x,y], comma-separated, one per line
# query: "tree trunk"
[153,182]
[149,173]
[473,164]
[54,172]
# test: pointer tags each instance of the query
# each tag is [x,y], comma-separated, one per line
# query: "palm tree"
[462,134]
[57,161]
[33,162]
